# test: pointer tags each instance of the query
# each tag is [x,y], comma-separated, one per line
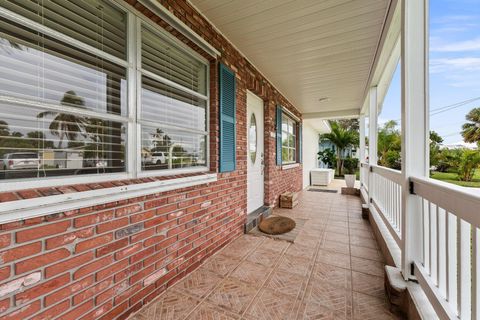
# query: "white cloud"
[454,64]
[454,19]
[461,46]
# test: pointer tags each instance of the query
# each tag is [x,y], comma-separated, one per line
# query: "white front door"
[255,156]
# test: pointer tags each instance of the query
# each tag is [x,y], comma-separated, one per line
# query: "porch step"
[254,218]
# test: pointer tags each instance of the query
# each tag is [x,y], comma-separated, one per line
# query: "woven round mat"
[276,225]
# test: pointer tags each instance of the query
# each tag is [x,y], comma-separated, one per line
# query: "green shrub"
[350,165]
[328,157]
[470,161]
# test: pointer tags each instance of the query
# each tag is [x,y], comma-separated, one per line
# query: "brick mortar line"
[222,243]
[97,211]
[43,240]
[70,272]
[73,307]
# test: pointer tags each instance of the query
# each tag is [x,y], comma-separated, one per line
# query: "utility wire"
[434,112]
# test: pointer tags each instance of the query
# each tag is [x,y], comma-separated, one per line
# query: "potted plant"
[350,166]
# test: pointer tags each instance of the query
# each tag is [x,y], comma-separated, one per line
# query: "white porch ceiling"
[309,49]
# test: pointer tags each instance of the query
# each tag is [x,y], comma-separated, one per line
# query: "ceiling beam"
[337,114]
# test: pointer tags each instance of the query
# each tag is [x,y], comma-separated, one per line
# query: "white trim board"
[30,208]
[172,20]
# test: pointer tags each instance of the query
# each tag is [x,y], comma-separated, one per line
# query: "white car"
[158,158]
[20,160]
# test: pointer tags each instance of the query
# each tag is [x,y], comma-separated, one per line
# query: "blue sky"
[454,67]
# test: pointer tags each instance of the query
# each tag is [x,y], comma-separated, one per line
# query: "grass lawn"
[453,178]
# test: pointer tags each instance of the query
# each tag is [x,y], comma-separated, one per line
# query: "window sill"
[290,166]
[35,207]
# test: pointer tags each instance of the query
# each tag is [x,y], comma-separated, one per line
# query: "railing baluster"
[447,256]
[430,239]
[464,270]
[475,270]
[452,260]
[437,244]
[441,249]
[459,266]
[424,249]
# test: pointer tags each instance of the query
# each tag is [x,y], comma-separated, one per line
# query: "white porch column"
[362,138]
[372,137]
[372,127]
[415,127]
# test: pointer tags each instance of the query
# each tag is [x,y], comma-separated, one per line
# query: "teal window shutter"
[300,153]
[278,121]
[227,112]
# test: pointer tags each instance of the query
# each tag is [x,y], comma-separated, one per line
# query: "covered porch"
[333,270]
[161,237]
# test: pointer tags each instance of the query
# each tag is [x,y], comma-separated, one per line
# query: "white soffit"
[321,126]
[309,49]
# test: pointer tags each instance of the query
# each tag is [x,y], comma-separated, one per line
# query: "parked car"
[158,158]
[20,161]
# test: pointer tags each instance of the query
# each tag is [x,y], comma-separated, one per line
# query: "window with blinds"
[289,140]
[173,105]
[63,109]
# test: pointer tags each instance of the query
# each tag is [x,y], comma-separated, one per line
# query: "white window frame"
[135,20]
[295,135]
[148,24]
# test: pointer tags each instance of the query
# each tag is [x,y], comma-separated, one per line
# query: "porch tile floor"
[333,270]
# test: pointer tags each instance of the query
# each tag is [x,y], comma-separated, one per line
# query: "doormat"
[276,225]
[289,236]
[323,190]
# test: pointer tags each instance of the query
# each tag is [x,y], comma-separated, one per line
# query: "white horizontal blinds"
[56,100]
[164,104]
[163,58]
[173,105]
[65,144]
[94,22]
[34,66]
[288,140]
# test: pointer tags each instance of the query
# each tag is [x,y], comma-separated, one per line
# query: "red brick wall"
[107,261]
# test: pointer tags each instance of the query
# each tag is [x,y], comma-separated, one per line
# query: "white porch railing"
[449,269]
[386,195]
[364,176]
[449,272]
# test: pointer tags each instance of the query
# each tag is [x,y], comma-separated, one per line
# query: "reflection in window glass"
[252,138]
[173,119]
[35,143]
[46,131]
[164,148]
[289,129]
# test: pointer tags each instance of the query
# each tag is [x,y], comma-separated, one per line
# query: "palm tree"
[342,139]
[66,125]
[471,129]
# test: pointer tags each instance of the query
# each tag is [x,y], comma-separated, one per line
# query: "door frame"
[256,97]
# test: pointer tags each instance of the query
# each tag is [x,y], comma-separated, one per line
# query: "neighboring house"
[460,145]
[348,152]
